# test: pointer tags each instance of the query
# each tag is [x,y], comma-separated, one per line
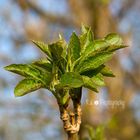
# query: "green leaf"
[64,96]
[89,83]
[93,62]
[115,42]
[84,29]
[106,71]
[43,47]
[21,69]
[113,48]
[64,45]
[58,50]
[93,72]
[86,38]
[71,80]
[74,80]
[113,39]
[74,47]
[96,47]
[27,85]
[27,70]
[44,63]
[99,46]
[98,80]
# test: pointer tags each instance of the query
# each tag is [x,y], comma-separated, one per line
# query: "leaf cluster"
[78,63]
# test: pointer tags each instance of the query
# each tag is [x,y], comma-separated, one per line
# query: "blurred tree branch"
[64,21]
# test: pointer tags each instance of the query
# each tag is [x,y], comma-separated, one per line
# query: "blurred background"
[35,116]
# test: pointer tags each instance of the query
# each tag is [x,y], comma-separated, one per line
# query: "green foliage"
[30,71]
[74,47]
[106,71]
[45,64]
[95,134]
[93,62]
[80,63]
[86,38]
[44,47]
[71,80]
[26,86]
[89,83]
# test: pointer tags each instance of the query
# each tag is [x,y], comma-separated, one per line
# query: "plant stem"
[72,136]
[71,119]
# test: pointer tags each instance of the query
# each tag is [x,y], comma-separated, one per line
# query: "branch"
[51,17]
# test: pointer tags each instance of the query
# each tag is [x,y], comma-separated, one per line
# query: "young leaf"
[106,71]
[113,48]
[27,70]
[71,80]
[113,39]
[21,69]
[86,38]
[43,47]
[58,50]
[93,62]
[105,45]
[96,46]
[44,63]
[89,83]
[93,72]
[27,85]
[74,47]
[98,80]
[84,29]
[88,32]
